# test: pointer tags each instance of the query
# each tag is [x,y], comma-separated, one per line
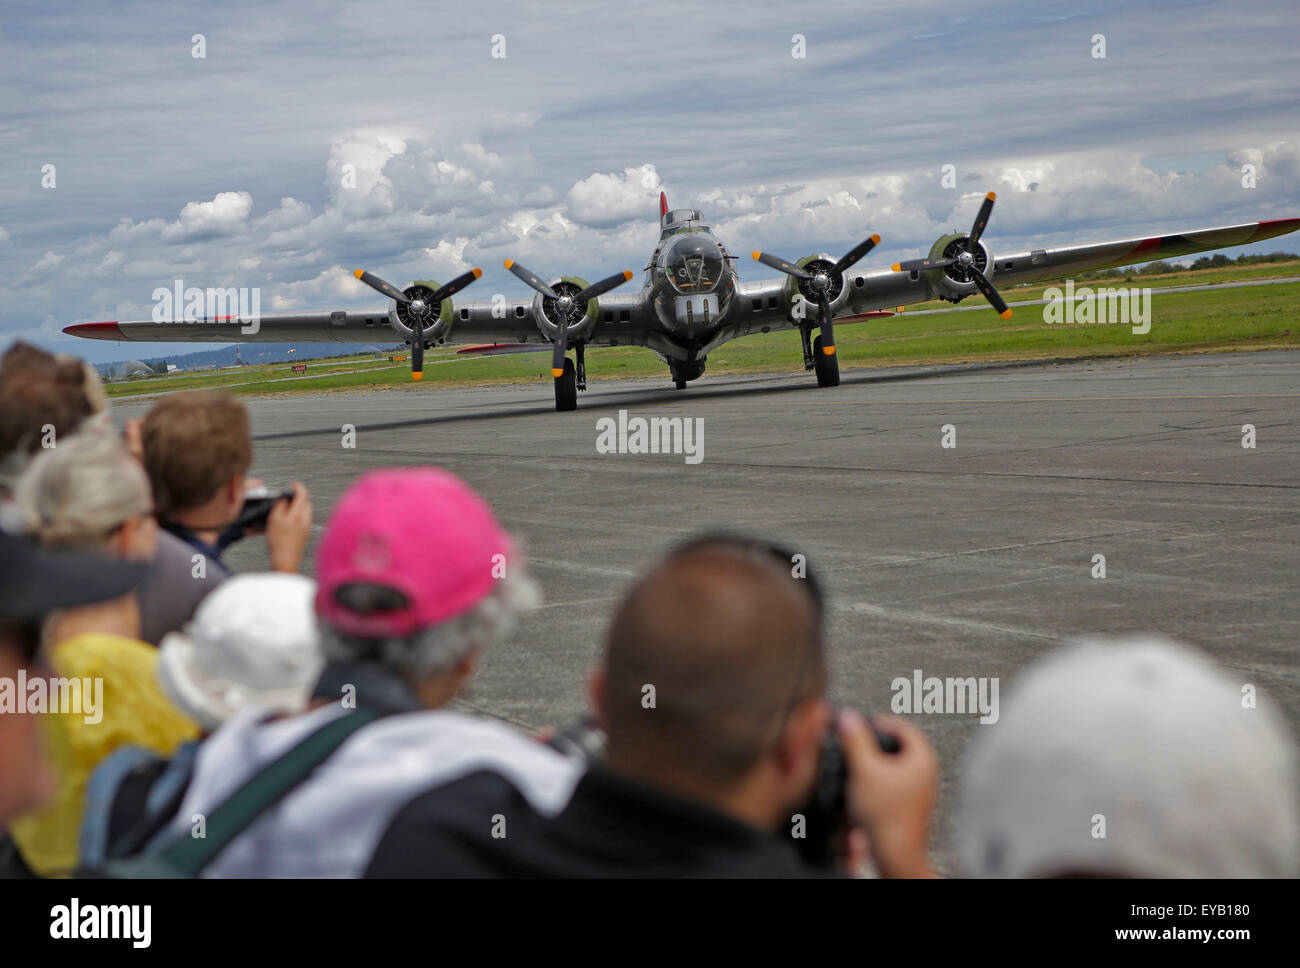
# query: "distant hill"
[252,353]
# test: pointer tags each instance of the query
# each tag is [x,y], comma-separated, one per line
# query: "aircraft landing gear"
[566,388]
[827,367]
[685,372]
[805,338]
[579,351]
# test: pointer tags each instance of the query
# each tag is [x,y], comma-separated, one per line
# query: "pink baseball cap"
[419,531]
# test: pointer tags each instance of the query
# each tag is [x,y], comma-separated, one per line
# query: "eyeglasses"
[145,515]
[24,638]
[789,561]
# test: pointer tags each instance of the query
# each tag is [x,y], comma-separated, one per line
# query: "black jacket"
[611,827]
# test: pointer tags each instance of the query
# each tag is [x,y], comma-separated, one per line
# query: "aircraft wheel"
[680,384]
[566,389]
[827,367]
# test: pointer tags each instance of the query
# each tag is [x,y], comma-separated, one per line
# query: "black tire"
[680,384]
[566,389]
[827,367]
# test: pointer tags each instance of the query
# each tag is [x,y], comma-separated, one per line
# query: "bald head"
[730,641]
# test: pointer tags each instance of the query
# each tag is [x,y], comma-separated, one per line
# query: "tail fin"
[663,206]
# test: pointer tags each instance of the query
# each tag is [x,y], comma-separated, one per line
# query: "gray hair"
[75,494]
[436,648]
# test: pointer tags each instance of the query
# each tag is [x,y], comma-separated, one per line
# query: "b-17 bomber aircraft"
[691,300]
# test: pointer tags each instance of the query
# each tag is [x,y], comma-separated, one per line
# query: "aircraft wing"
[473,322]
[873,290]
[1039,265]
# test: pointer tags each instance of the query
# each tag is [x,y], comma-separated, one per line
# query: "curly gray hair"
[436,648]
[74,494]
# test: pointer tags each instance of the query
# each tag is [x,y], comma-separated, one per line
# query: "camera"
[258,502]
[583,741]
[826,814]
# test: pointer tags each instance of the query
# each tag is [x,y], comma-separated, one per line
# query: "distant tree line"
[1216,261]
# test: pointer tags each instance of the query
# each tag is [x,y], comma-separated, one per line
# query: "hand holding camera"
[258,502]
[890,796]
[285,515]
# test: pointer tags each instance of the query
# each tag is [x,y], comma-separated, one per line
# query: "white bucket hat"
[1137,757]
[252,642]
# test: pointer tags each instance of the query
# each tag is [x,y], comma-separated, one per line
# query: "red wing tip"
[107,330]
[1280,221]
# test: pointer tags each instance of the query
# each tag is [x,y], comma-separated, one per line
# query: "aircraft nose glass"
[695,269]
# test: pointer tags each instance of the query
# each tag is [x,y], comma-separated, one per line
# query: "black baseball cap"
[34,581]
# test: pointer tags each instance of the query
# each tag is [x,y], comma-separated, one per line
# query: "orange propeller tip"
[477,272]
[556,373]
[359,273]
[875,239]
[1006,315]
[417,375]
[756,254]
[992,196]
[828,350]
[509,263]
[627,274]
[897,267]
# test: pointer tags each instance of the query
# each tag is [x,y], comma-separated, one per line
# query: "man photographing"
[711,695]
[197,448]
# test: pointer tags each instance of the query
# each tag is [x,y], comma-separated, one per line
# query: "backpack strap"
[186,856]
[162,802]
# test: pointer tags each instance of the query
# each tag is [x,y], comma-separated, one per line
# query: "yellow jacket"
[123,706]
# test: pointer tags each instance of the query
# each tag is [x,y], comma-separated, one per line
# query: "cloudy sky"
[228,170]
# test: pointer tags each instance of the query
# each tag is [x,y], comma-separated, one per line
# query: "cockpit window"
[694,263]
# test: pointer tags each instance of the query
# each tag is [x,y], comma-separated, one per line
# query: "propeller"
[820,282]
[422,307]
[565,305]
[965,259]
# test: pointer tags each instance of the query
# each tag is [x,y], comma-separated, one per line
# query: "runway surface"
[964,561]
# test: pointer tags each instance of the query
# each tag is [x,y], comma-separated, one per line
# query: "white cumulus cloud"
[224,215]
[606,199]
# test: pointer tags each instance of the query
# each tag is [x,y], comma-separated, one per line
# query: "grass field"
[1262,317]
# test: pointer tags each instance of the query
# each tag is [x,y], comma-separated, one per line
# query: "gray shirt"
[170,592]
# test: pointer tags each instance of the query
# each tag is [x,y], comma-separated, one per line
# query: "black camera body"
[582,741]
[826,814]
[258,502]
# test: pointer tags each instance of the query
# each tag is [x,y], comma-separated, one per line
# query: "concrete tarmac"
[962,561]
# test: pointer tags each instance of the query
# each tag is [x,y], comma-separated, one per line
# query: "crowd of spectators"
[197,723]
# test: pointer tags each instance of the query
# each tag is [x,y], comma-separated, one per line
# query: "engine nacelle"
[437,324]
[837,291]
[548,320]
[954,282]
